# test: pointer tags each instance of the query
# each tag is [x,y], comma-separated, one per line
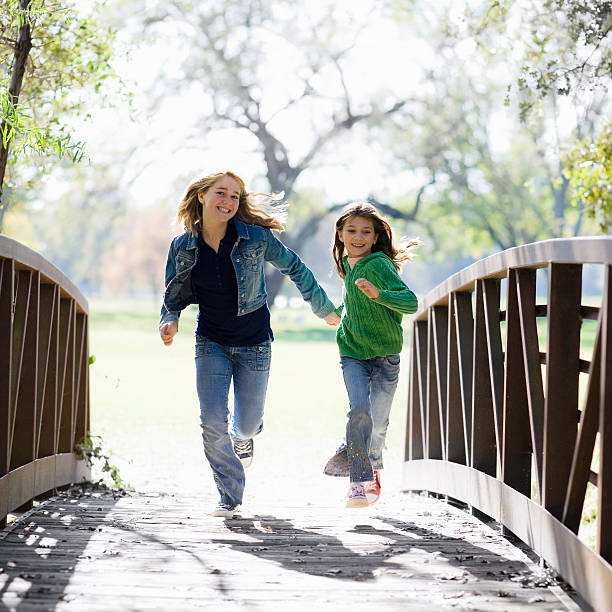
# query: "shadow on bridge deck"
[98,551]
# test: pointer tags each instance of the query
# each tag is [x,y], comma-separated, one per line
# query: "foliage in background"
[289,90]
[92,450]
[558,49]
[53,60]
[589,166]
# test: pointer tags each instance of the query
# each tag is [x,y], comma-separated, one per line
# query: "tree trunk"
[20,58]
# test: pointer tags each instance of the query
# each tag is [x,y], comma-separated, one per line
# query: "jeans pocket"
[203,346]
[259,356]
[393,360]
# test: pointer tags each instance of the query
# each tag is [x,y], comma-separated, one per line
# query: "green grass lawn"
[145,407]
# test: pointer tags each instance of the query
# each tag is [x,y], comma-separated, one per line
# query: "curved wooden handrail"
[507,426]
[44,388]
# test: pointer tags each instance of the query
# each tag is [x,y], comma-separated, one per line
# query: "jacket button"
[182,263]
[238,259]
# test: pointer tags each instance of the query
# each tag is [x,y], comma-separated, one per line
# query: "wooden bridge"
[505,439]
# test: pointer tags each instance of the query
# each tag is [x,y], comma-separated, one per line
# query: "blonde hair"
[253,208]
[399,255]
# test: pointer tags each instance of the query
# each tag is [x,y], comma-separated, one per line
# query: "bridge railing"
[506,415]
[44,395]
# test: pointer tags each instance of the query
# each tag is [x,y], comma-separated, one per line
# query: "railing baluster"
[420,419]
[436,389]
[526,286]
[49,330]
[66,352]
[465,345]
[484,456]
[491,298]
[585,442]
[562,375]
[516,448]
[82,390]
[455,439]
[25,391]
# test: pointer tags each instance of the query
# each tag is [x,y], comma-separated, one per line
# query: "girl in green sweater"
[369,338]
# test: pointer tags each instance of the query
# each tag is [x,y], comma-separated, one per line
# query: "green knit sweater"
[373,327]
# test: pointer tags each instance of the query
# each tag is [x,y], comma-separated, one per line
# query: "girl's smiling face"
[220,202]
[358,236]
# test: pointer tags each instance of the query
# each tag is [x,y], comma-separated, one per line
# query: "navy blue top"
[214,283]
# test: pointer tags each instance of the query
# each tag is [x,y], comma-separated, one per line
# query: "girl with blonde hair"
[218,263]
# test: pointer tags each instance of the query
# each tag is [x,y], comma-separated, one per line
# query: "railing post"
[7,298]
[604,532]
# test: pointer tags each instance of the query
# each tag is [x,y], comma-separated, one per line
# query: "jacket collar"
[242,229]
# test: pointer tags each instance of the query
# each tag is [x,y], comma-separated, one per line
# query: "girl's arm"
[288,262]
[168,319]
[392,291]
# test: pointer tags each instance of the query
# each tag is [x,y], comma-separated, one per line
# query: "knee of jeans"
[358,420]
[381,430]
[246,433]
[213,433]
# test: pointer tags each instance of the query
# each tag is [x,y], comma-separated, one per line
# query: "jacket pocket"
[183,261]
[253,256]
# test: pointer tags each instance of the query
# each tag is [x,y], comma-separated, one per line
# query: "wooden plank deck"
[92,551]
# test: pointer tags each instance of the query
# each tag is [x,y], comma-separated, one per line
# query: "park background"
[476,126]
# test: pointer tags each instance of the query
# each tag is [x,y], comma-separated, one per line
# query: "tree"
[145,249]
[76,226]
[49,53]
[271,70]
[564,49]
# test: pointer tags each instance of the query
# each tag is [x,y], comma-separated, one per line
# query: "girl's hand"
[367,287]
[332,319]
[168,331]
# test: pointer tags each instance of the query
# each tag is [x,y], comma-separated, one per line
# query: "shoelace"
[242,447]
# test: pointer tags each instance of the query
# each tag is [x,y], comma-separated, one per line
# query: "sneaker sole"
[357,503]
[225,513]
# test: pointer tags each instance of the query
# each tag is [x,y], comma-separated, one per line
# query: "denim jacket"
[254,246]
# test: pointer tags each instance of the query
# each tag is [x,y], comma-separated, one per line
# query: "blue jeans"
[216,366]
[371,385]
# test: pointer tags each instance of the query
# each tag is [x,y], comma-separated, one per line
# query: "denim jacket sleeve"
[167,316]
[288,262]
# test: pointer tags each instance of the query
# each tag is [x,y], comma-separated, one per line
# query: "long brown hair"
[254,208]
[398,255]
